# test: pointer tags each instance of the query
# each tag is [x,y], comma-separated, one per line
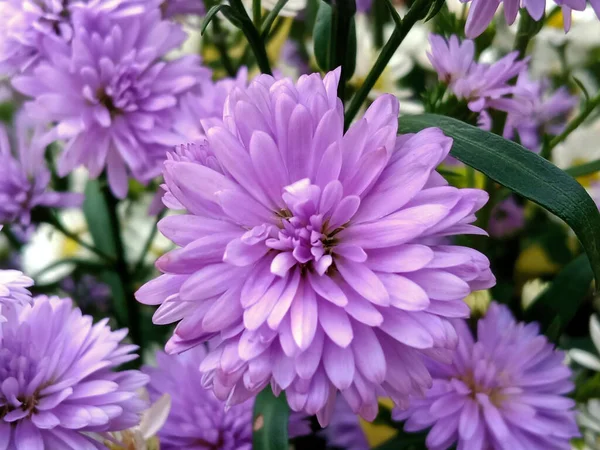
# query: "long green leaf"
[557,305]
[270,422]
[522,171]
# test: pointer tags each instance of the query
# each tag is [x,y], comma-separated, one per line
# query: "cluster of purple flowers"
[481,12]
[488,87]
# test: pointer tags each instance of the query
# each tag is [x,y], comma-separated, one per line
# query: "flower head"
[482,86]
[112,95]
[314,258]
[13,292]
[24,177]
[197,418]
[507,217]
[57,379]
[544,114]
[481,12]
[504,390]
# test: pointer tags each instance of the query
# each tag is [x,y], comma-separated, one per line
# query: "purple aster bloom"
[363,5]
[481,12]
[87,291]
[24,177]
[312,256]
[507,218]
[13,292]
[197,419]
[183,7]
[344,431]
[57,379]
[545,114]
[483,86]
[112,95]
[506,390]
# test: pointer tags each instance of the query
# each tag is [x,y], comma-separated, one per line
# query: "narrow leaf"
[322,36]
[270,421]
[212,12]
[522,171]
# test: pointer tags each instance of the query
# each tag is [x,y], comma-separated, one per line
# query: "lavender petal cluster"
[14,293]
[24,176]
[483,86]
[481,12]
[505,389]
[316,259]
[111,93]
[57,382]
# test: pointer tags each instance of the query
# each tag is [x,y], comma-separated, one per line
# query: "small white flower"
[291,8]
[142,437]
[587,359]
[531,290]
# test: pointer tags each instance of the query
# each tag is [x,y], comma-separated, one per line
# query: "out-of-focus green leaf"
[322,36]
[557,305]
[270,421]
[522,171]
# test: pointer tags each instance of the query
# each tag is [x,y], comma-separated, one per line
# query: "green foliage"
[270,421]
[523,172]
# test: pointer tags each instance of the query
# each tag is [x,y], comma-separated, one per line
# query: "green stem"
[77,261]
[148,244]
[256,12]
[219,39]
[253,37]
[267,22]
[388,50]
[53,220]
[584,169]
[122,270]
[14,241]
[527,29]
[590,106]
[345,12]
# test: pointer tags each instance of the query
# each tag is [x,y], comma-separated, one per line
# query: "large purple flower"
[482,86]
[545,114]
[57,382]
[481,12]
[315,258]
[505,390]
[24,177]
[112,95]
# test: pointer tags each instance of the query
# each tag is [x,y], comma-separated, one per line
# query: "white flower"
[291,8]
[142,437]
[589,421]
[587,359]
[531,290]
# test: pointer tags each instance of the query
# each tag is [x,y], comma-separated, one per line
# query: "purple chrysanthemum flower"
[24,177]
[112,95]
[13,292]
[57,379]
[197,420]
[344,431]
[314,257]
[482,86]
[507,217]
[481,12]
[545,114]
[505,390]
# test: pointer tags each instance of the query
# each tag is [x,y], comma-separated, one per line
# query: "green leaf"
[270,421]
[322,36]
[557,305]
[95,209]
[96,214]
[212,12]
[522,171]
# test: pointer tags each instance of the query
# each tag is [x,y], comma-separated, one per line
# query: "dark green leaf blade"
[522,171]
[270,421]
[95,210]
[322,36]
[557,305]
